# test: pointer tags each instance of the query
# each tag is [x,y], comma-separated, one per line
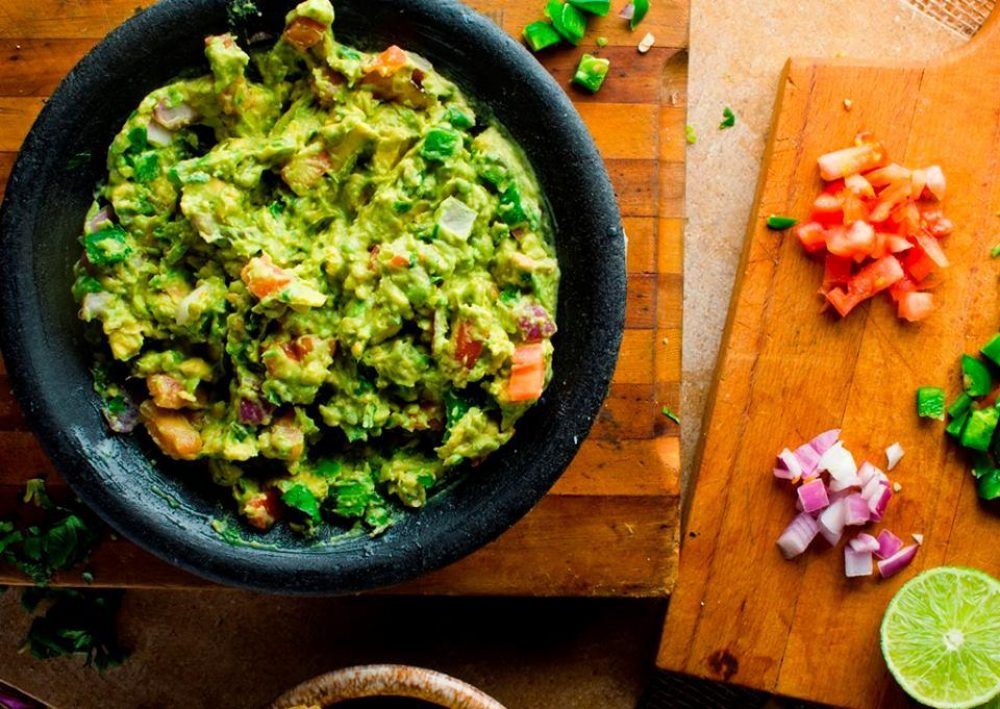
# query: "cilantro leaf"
[728,118]
[300,498]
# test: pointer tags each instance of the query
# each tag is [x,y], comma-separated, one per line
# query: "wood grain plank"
[34,67]
[556,550]
[17,113]
[92,19]
[742,613]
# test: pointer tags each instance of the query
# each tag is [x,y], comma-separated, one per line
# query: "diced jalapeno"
[107,246]
[779,223]
[459,119]
[930,403]
[976,377]
[541,35]
[991,350]
[439,144]
[979,430]
[591,72]
[989,485]
[595,7]
[960,406]
[957,425]
[641,8]
[510,210]
[567,21]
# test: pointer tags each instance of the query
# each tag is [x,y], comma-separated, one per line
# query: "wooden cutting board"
[610,525]
[787,372]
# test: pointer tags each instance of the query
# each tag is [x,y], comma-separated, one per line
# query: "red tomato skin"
[467,350]
[812,237]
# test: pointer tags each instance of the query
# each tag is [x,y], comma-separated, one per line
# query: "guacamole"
[322,272]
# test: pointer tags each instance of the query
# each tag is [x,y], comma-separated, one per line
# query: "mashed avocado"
[323,272]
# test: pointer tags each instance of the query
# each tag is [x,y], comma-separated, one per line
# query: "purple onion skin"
[124,422]
[251,412]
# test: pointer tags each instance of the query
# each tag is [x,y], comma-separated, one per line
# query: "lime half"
[941,637]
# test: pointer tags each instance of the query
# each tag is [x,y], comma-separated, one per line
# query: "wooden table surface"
[610,525]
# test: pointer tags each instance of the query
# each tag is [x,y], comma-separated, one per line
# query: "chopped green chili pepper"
[995,251]
[960,406]
[670,414]
[930,403]
[780,223]
[541,35]
[956,426]
[439,144]
[979,429]
[989,485]
[690,135]
[728,118]
[591,72]
[107,246]
[601,42]
[459,119]
[594,7]
[567,20]
[981,465]
[976,377]
[641,8]
[991,350]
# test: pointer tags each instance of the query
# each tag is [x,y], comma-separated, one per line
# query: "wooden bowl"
[383,681]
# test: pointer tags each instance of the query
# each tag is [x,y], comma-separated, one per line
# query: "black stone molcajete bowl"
[152,501]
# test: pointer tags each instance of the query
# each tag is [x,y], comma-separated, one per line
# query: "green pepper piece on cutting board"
[979,429]
[975,376]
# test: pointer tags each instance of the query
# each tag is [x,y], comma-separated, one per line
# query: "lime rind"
[941,637]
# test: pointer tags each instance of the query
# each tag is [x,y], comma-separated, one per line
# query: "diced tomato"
[263,277]
[855,208]
[860,158]
[399,261]
[828,209]
[873,278]
[918,264]
[932,248]
[837,271]
[263,509]
[527,374]
[902,287]
[915,306]
[172,431]
[859,185]
[887,175]
[467,350]
[304,32]
[299,348]
[897,244]
[856,241]
[934,221]
[388,62]
[167,392]
[812,236]
[935,183]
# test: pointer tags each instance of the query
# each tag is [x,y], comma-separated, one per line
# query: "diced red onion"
[826,440]
[893,454]
[871,488]
[879,502]
[864,542]
[788,466]
[857,563]
[808,459]
[123,421]
[95,305]
[798,536]
[628,12]
[534,323]
[866,472]
[174,118]
[840,494]
[831,522]
[813,496]
[897,562]
[251,412]
[888,544]
[98,221]
[158,135]
[856,510]
[935,181]
[845,484]
[839,462]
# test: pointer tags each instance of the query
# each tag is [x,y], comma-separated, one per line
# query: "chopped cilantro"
[298,497]
[79,161]
[995,251]
[690,135]
[670,414]
[439,145]
[74,623]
